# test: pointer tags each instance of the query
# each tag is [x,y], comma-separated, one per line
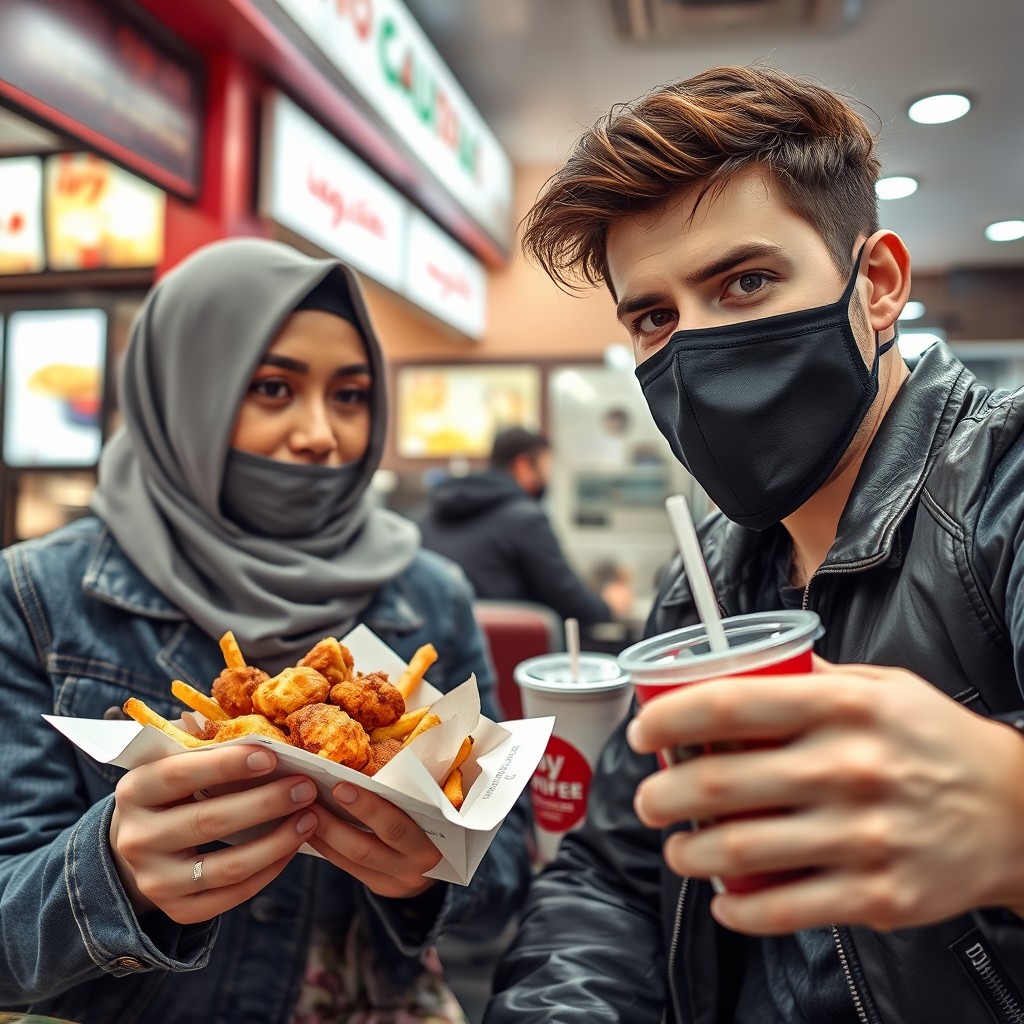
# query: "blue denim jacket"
[80,631]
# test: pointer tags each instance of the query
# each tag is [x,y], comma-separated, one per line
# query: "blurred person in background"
[733,218]
[493,525]
[235,497]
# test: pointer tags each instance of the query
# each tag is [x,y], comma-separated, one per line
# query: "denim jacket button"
[129,963]
[115,714]
[262,909]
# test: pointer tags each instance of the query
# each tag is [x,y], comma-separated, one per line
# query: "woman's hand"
[905,807]
[390,859]
[157,826]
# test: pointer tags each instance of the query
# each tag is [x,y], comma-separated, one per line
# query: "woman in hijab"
[234,497]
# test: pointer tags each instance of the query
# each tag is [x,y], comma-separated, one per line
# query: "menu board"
[454,411]
[100,216]
[53,387]
[21,215]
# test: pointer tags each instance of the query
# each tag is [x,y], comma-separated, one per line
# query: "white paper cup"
[586,712]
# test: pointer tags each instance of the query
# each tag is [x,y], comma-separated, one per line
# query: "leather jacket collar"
[916,426]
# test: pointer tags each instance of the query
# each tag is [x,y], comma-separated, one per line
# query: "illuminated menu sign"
[86,69]
[98,215]
[380,50]
[316,187]
[53,387]
[21,215]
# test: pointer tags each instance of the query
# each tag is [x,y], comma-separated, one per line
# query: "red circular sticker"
[559,787]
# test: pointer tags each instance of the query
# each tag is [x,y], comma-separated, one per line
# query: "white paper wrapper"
[499,767]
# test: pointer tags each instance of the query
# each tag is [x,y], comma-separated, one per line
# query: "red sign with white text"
[559,787]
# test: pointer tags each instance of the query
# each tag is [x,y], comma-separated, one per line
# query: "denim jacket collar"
[112,577]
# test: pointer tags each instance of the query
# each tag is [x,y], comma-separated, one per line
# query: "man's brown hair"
[701,131]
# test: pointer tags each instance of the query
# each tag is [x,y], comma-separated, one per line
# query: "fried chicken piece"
[380,753]
[331,659]
[371,700]
[244,725]
[288,691]
[232,689]
[328,731]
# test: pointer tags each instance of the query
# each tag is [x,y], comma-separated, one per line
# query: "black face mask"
[761,412]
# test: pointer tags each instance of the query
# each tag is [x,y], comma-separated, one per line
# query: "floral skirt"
[342,985]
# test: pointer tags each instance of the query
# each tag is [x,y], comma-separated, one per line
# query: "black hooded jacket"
[502,539]
[926,573]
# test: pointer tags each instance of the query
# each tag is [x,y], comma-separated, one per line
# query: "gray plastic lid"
[550,673]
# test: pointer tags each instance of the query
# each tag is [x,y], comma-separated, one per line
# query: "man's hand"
[907,807]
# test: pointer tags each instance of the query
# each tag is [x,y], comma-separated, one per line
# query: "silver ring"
[197,871]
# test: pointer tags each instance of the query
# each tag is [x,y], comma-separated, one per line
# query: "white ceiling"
[540,70]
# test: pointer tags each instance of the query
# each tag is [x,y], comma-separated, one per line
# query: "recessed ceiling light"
[912,311]
[947,106]
[1005,231]
[896,187]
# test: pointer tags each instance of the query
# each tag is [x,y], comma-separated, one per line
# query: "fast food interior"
[254,116]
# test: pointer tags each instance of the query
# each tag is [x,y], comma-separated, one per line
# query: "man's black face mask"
[762,412]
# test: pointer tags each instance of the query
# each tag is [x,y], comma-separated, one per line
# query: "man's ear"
[887,268]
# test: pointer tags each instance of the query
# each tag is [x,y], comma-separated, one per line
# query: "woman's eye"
[269,388]
[351,395]
[654,321]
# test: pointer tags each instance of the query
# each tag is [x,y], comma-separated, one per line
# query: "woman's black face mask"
[762,412]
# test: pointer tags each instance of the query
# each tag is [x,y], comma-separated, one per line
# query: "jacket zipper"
[674,949]
[858,1002]
[851,984]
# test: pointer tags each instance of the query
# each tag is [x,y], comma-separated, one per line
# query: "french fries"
[428,721]
[413,675]
[452,788]
[323,722]
[231,651]
[145,715]
[400,729]
[192,698]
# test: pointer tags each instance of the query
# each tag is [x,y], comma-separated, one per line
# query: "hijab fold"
[195,345]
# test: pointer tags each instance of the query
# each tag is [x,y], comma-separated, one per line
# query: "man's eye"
[654,320]
[746,284]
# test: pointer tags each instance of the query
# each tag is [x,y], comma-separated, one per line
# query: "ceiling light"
[1005,231]
[947,106]
[897,187]
[912,311]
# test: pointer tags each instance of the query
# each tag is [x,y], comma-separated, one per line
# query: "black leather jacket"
[609,935]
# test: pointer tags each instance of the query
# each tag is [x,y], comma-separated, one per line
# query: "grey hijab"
[195,345]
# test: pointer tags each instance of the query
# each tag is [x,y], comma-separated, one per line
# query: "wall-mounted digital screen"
[450,411]
[21,215]
[53,387]
[99,216]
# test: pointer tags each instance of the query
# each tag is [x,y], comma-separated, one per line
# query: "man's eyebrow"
[645,301]
[725,263]
[733,258]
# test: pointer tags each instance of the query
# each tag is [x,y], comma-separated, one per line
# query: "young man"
[732,216]
[492,524]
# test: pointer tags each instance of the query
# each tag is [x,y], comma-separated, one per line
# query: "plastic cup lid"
[755,641]
[551,673]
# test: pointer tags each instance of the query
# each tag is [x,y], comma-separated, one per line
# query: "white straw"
[572,645]
[696,571]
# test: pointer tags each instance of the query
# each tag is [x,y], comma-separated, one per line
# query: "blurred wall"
[528,316]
